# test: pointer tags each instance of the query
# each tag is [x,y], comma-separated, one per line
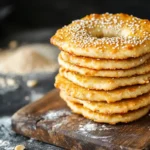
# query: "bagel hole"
[99,36]
[103,34]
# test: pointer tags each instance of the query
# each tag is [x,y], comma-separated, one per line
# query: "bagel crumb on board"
[19,147]
[32,83]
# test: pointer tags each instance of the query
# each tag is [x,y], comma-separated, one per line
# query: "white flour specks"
[5,121]
[91,129]
[5,132]
[3,143]
[55,114]
[88,127]
[6,145]
[31,140]
[57,125]
[104,128]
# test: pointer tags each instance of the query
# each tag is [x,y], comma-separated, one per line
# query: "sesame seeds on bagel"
[107,36]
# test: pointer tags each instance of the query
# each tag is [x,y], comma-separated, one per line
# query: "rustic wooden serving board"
[50,120]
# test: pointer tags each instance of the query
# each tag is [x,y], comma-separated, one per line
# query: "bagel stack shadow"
[105,67]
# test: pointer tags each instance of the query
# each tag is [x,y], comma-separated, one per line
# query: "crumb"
[20,147]
[13,44]
[27,98]
[32,83]
[10,82]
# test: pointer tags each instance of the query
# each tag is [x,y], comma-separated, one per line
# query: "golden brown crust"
[99,64]
[139,70]
[100,95]
[103,83]
[121,107]
[105,59]
[110,36]
[105,118]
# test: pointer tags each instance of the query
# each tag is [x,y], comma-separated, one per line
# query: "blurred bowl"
[17,90]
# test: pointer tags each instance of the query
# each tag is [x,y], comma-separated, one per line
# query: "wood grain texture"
[50,120]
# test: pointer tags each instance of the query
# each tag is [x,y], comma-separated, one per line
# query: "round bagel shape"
[121,107]
[99,64]
[100,95]
[105,118]
[108,36]
[103,83]
[139,70]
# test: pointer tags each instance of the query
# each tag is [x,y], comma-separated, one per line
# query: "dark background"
[23,15]
[35,21]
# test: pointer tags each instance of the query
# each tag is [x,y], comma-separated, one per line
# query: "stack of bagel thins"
[105,67]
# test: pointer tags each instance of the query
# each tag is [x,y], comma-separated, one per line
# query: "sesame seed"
[108,30]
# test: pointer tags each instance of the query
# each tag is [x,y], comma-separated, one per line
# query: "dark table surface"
[8,138]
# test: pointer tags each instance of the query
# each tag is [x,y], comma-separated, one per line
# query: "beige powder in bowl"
[27,59]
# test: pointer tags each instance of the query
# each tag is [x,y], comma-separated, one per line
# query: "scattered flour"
[5,121]
[53,115]
[5,132]
[3,143]
[31,140]
[88,127]
[93,127]
[9,139]
[89,130]
[104,128]
[57,125]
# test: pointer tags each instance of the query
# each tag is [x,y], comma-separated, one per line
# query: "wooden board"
[50,120]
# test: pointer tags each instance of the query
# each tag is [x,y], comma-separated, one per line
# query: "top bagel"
[107,36]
